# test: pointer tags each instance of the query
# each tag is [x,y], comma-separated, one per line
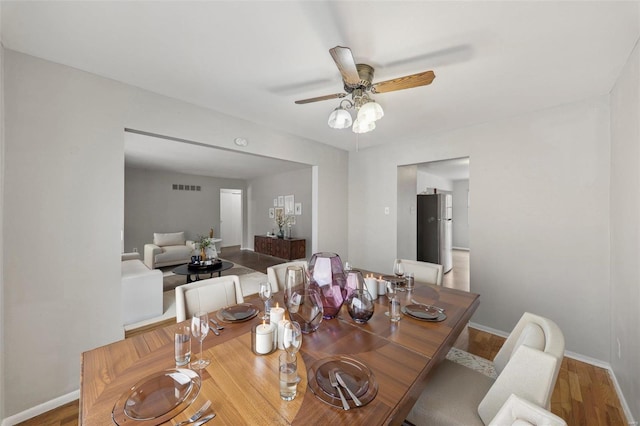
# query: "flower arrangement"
[283,220]
[203,242]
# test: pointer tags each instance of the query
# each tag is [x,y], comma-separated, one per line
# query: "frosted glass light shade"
[371,111]
[340,119]
[363,126]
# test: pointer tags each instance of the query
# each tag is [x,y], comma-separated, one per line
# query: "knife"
[344,385]
[215,331]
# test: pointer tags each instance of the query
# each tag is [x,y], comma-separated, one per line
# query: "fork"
[216,323]
[441,310]
[335,384]
[196,415]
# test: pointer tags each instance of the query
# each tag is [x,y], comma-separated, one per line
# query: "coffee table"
[216,267]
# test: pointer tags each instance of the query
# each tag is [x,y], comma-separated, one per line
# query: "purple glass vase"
[327,277]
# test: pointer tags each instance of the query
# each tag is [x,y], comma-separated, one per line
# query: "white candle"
[264,338]
[372,286]
[382,286]
[276,315]
[281,325]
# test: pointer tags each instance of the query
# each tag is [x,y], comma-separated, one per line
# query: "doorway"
[231,217]
[452,177]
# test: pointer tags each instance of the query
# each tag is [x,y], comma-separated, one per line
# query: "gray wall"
[549,251]
[460,213]
[427,180]
[407,218]
[261,193]
[64,147]
[151,205]
[2,126]
[625,231]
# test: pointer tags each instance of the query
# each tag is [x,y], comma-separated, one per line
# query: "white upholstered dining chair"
[520,412]
[207,295]
[276,273]
[424,272]
[527,364]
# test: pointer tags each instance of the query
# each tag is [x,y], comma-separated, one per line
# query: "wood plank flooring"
[584,394]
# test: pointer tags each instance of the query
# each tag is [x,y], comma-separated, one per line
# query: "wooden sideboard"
[284,248]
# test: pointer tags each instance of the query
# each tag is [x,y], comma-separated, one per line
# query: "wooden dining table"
[244,388]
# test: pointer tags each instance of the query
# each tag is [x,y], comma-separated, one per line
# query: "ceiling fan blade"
[321,98]
[346,64]
[406,82]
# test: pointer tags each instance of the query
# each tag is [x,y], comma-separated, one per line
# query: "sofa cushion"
[173,254]
[134,267]
[170,239]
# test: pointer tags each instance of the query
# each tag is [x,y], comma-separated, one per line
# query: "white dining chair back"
[534,331]
[457,394]
[276,273]
[207,295]
[424,272]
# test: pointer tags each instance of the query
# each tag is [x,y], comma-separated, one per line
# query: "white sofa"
[141,291]
[168,249]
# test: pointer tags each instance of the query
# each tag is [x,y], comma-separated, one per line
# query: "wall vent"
[182,187]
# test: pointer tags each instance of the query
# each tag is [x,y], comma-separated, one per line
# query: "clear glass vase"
[305,308]
[359,301]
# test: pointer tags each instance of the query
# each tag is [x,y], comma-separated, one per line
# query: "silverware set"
[336,381]
[441,310]
[196,416]
[216,327]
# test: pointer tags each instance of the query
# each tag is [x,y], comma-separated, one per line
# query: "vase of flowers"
[204,243]
[282,220]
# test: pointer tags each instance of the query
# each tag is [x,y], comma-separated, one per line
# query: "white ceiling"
[455,169]
[253,59]
[191,158]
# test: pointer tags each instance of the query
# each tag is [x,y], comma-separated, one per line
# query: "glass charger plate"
[356,375]
[157,398]
[423,313]
[237,313]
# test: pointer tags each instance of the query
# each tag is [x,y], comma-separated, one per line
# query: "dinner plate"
[237,313]
[157,398]
[356,375]
[423,313]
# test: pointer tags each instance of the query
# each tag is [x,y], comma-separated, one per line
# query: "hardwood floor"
[584,394]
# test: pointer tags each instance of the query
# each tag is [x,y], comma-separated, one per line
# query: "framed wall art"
[288,204]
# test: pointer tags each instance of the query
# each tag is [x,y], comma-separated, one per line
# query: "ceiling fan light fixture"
[370,112]
[363,126]
[340,118]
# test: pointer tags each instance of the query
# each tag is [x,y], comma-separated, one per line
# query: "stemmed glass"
[398,268]
[265,295]
[200,329]
[292,337]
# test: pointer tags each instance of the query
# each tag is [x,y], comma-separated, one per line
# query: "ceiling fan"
[358,82]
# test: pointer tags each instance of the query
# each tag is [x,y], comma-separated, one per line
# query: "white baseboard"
[460,248]
[41,409]
[581,358]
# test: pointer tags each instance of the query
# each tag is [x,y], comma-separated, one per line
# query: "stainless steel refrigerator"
[434,229]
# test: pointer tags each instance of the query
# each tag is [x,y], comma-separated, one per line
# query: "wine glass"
[398,268]
[292,337]
[292,340]
[265,295]
[200,329]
